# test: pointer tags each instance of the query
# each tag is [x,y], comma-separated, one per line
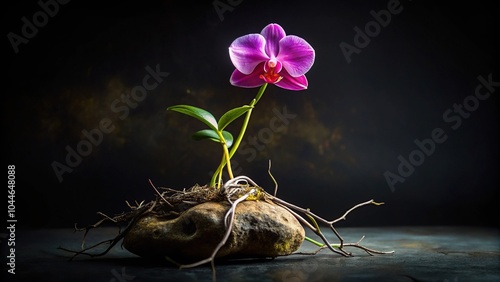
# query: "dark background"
[351,125]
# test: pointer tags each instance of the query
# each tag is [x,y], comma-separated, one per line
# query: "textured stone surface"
[260,229]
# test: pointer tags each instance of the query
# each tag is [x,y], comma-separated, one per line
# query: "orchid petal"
[296,55]
[273,33]
[247,80]
[292,83]
[247,51]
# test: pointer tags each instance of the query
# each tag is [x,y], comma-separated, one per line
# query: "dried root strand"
[171,202]
[294,210]
[336,248]
[160,194]
[112,242]
[168,203]
[355,245]
[231,188]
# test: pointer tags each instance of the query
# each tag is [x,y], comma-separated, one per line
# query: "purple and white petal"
[247,51]
[273,33]
[292,83]
[247,80]
[296,55]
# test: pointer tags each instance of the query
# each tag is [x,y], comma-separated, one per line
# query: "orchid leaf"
[231,115]
[212,135]
[199,114]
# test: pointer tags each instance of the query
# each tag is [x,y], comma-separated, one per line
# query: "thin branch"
[274,180]
[292,208]
[343,217]
[106,217]
[112,242]
[369,251]
[316,231]
[161,196]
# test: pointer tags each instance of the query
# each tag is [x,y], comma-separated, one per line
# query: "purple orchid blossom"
[271,57]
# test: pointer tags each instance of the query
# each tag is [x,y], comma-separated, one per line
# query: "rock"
[260,229]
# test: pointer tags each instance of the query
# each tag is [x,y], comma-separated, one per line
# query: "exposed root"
[171,203]
[132,217]
[228,220]
[168,204]
[315,227]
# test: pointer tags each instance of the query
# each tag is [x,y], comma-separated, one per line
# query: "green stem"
[228,161]
[260,93]
[237,142]
[217,175]
[319,244]
[218,172]
[227,158]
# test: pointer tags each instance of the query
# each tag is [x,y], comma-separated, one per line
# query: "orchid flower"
[271,57]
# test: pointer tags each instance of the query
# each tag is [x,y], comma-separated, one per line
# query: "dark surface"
[421,254]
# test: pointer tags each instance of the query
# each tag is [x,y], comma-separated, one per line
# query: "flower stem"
[218,173]
[227,158]
[236,143]
[260,93]
[228,161]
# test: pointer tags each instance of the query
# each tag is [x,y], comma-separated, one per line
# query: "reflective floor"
[421,254]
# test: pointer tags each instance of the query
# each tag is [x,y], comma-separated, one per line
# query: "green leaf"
[199,114]
[212,135]
[206,134]
[229,138]
[231,115]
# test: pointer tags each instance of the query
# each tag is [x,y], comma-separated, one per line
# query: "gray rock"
[260,229]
